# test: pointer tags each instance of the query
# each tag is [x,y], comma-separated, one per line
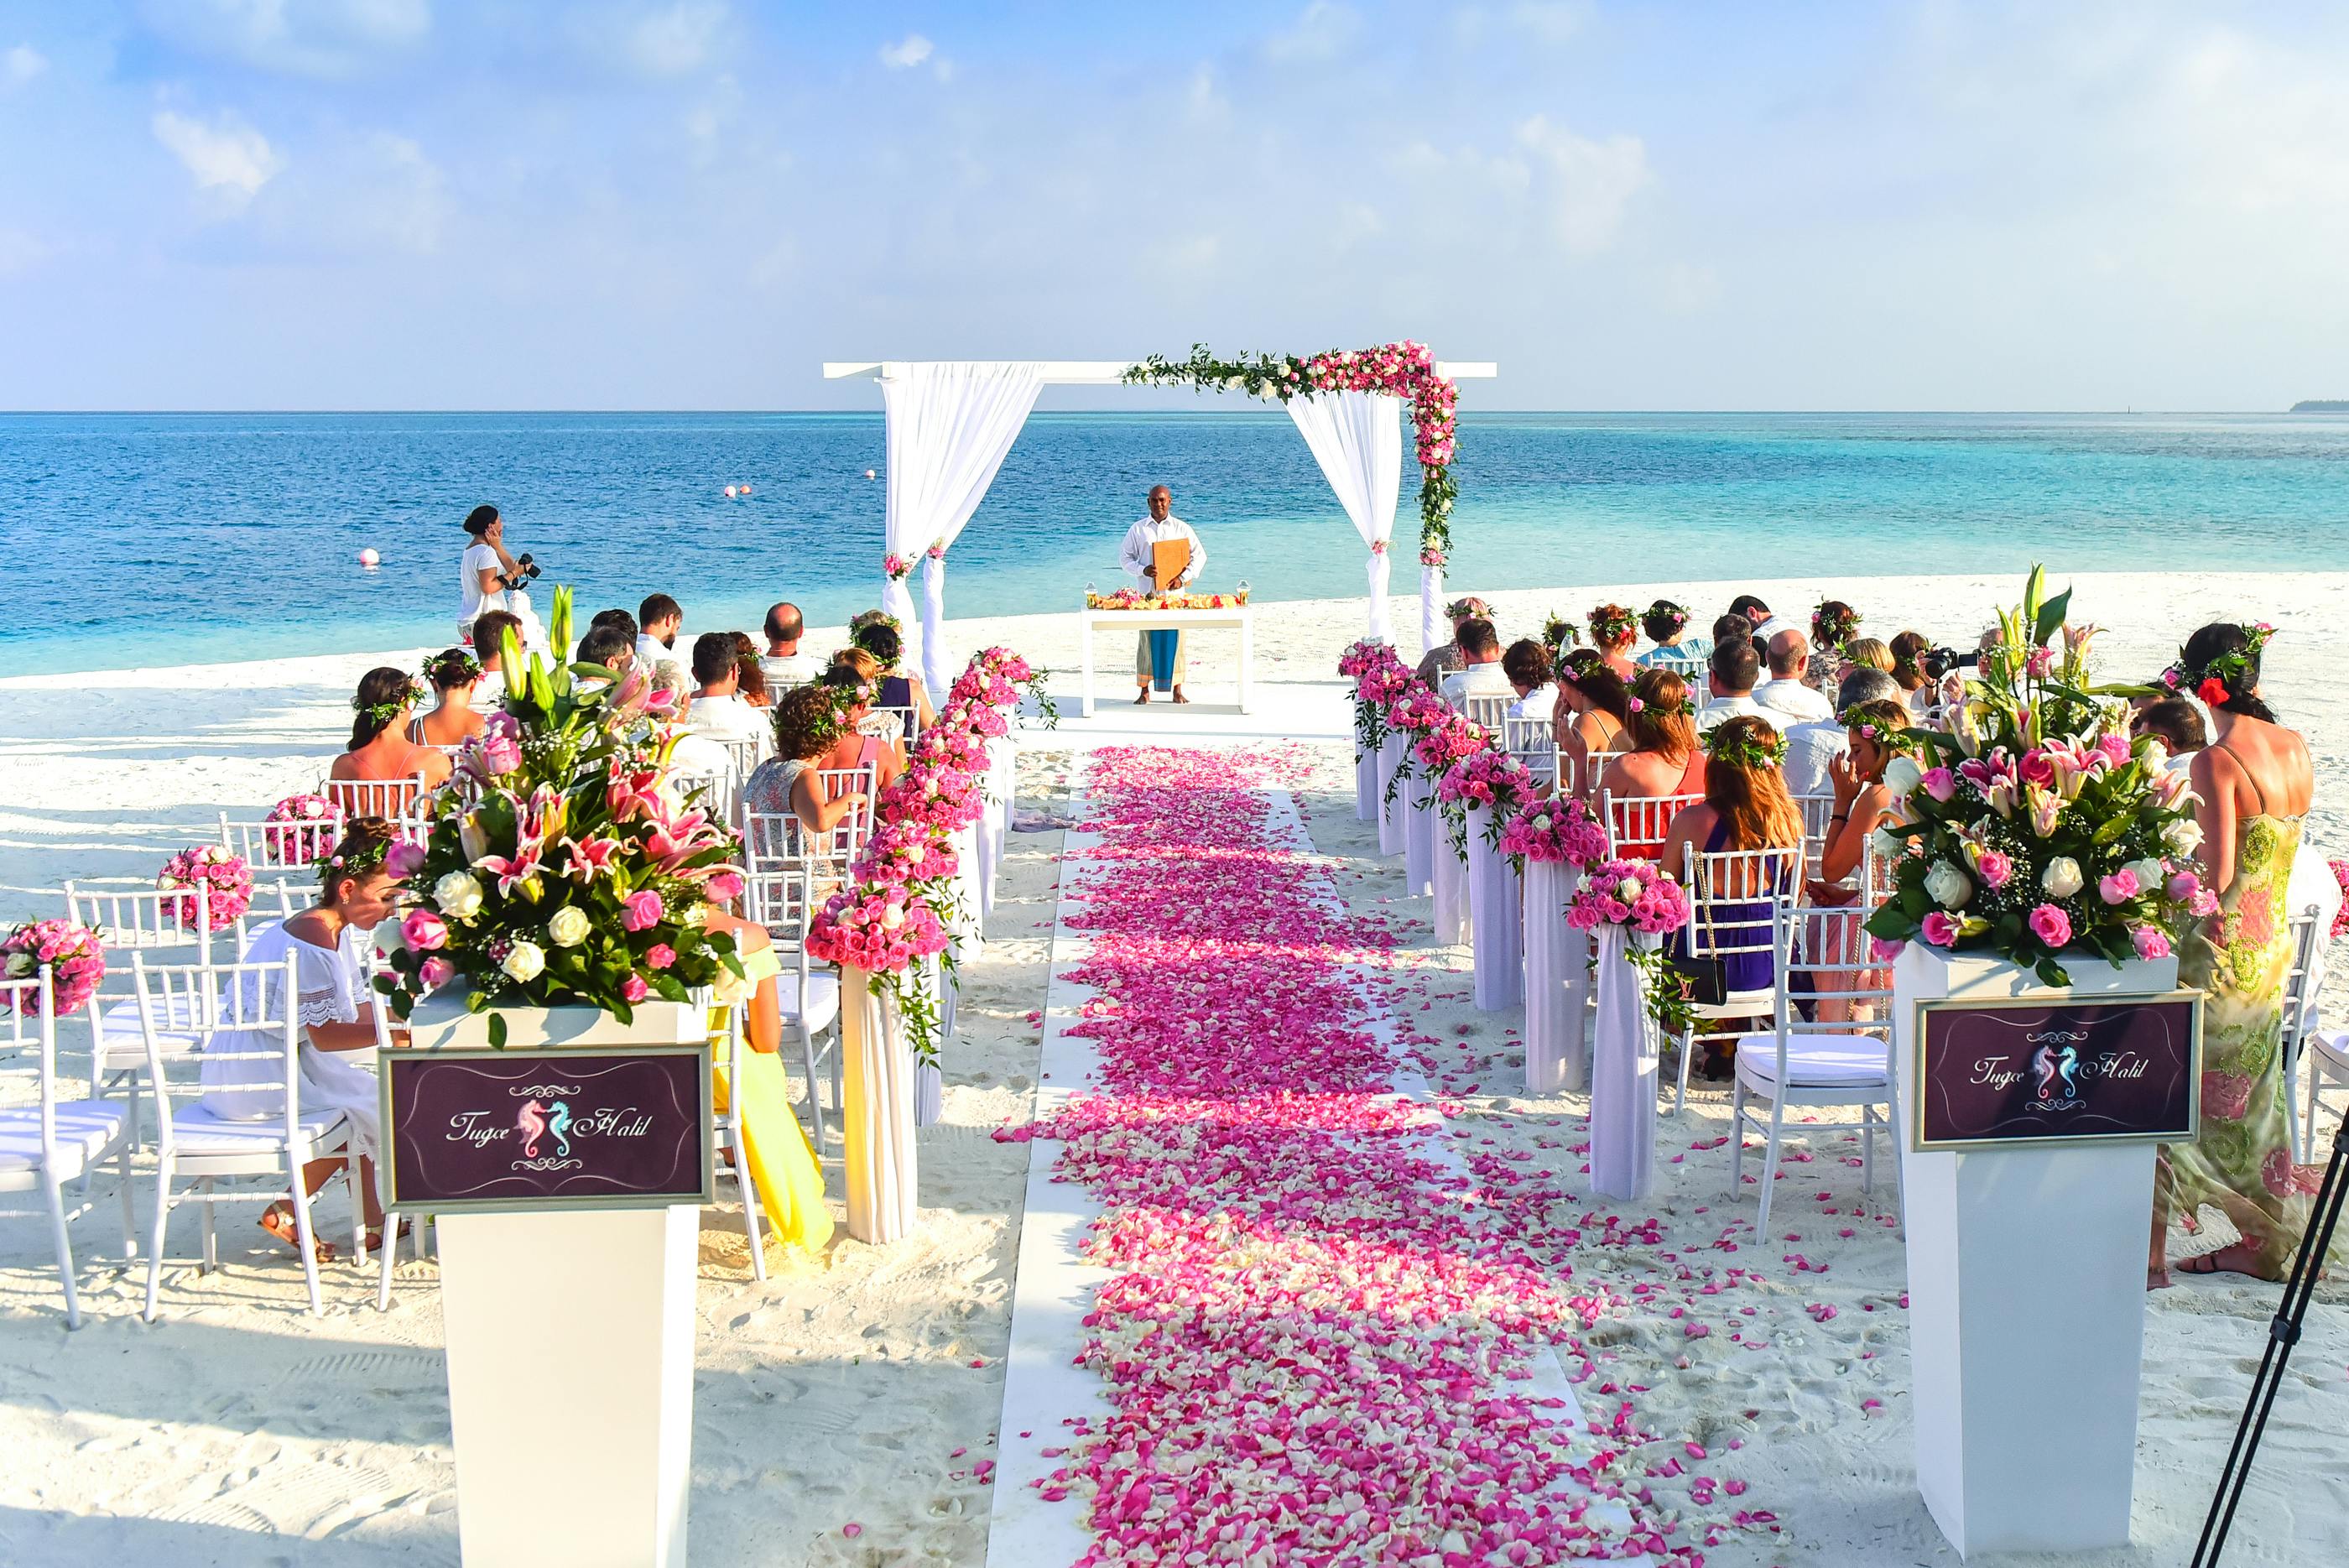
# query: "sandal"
[278,1221]
[375,1237]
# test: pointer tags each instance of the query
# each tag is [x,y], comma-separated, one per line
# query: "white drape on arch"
[1357,438]
[949,424]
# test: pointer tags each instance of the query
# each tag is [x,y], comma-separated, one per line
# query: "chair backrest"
[1689,666]
[1733,896]
[1828,979]
[144,917]
[779,858]
[909,722]
[27,1028]
[721,792]
[237,1011]
[861,785]
[743,754]
[1531,741]
[1638,826]
[2300,1011]
[393,798]
[1491,712]
[1818,822]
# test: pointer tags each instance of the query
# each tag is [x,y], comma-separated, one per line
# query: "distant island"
[2321,406]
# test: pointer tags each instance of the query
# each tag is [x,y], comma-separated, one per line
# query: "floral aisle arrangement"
[1380,678]
[1404,369]
[76,958]
[894,910]
[312,825]
[1489,777]
[1638,896]
[572,872]
[1554,832]
[1434,736]
[2036,827]
[1136,599]
[226,880]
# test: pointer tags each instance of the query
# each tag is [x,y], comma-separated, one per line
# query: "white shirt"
[1789,696]
[1809,748]
[1478,681]
[1538,704]
[725,718]
[1149,532]
[1720,709]
[787,668]
[695,753]
[651,650]
[478,558]
[1774,626]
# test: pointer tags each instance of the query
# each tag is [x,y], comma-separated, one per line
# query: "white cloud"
[1590,182]
[1322,33]
[21,65]
[1551,21]
[228,155]
[326,38]
[906,53]
[677,38]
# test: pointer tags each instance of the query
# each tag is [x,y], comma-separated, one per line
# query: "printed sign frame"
[1927,1008]
[565,1060]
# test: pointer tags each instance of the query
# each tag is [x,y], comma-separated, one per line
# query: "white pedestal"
[929,1094]
[2027,1300]
[1454,922]
[1557,982]
[1366,784]
[1494,913]
[877,1114]
[1625,1064]
[1391,807]
[520,1318]
[1420,830]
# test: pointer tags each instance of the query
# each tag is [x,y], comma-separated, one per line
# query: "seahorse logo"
[2042,1062]
[532,1124]
[558,1122]
[2068,1065]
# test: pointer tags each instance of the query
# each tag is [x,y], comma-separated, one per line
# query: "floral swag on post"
[1404,369]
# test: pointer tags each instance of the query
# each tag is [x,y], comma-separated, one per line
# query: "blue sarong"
[1162,645]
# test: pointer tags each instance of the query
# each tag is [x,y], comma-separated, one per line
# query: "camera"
[1935,662]
[525,570]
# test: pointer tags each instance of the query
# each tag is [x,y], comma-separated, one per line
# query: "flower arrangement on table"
[76,957]
[1405,370]
[1136,599]
[1636,895]
[2036,827]
[1554,832]
[226,880]
[1489,777]
[313,824]
[575,873]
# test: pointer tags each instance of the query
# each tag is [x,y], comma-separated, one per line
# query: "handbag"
[1704,981]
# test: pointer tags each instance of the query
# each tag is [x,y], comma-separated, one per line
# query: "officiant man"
[1158,658]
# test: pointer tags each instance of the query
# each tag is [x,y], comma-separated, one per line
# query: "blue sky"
[688,203]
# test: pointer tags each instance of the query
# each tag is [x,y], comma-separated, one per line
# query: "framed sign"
[486,1130]
[2066,1070]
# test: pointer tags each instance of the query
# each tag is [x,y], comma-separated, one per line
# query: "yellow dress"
[783,1164]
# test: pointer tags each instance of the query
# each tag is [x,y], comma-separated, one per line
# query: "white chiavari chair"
[2299,1021]
[908,721]
[1531,741]
[249,1013]
[1733,897]
[847,840]
[283,857]
[49,1142]
[743,754]
[726,1055]
[1819,823]
[138,922]
[1489,713]
[1692,668]
[784,866]
[1637,825]
[1829,1044]
[717,793]
[397,800]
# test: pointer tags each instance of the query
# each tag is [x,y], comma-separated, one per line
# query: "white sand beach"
[864,1387]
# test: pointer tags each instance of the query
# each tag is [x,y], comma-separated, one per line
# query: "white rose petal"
[2062,878]
[525,962]
[2147,872]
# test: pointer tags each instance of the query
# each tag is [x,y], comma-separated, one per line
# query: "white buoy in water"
[369,559]
[730,492]
[870,474]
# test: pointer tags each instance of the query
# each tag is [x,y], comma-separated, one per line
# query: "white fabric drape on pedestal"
[1393,805]
[1492,910]
[1558,981]
[1366,784]
[1453,923]
[1357,438]
[1001,780]
[876,1113]
[948,426]
[1623,1067]
[1420,829]
[968,928]
[929,1094]
[1433,631]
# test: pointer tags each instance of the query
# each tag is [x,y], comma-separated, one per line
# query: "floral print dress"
[2241,1163]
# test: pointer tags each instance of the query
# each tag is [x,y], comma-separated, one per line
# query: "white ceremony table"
[1234,618]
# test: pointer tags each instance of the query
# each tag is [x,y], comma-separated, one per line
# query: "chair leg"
[839,1087]
[130,1205]
[1736,1137]
[1899,1191]
[155,1237]
[750,1208]
[815,1096]
[1679,1091]
[2291,1129]
[302,1234]
[54,1193]
[1868,1150]
[204,1216]
[1770,1164]
[359,1209]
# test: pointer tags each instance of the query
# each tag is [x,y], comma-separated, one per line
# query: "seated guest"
[2176,723]
[1909,669]
[657,619]
[1438,662]
[717,710]
[1663,622]
[878,635]
[380,749]
[1862,804]
[1810,747]
[855,747]
[1734,671]
[1765,622]
[489,647]
[1664,758]
[611,645]
[1593,706]
[1480,673]
[618,618]
[749,677]
[690,751]
[1613,630]
[784,664]
[876,720]
[453,677]
[1526,664]
[1867,653]
[1788,700]
[806,723]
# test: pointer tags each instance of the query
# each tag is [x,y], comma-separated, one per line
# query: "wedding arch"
[948,425]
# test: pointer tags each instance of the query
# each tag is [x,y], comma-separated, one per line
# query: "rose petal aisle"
[1322,1332]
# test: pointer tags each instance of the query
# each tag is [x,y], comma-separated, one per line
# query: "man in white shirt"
[1766,623]
[1480,673]
[1783,693]
[1811,746]
[657,620]
[719,710]
[784,665]
[1158,657]
[1731,678]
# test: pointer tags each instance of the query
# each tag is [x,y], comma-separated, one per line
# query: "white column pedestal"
[1366,784]
[877,1114]
[1625,1064]
[1391,809]
[2027,1300]
[570,1349]
[1494,912]
[1420,830]
[1454,922]
[1557,982]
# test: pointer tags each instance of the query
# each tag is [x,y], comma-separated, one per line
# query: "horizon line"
[1248,407]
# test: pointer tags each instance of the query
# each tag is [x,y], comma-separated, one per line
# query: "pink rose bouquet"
[313,822]
[76,958]
[1487,777]
[1555,832]
[226,880]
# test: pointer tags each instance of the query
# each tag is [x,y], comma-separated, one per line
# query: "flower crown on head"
[1834,627]
[1611,623]
[1685,707]
[1856,719]
[1578,661]
[385,711]
[1460,609]
[456,662]
[1665,611]
[1746,748]
[2214,682]
[875,617]
[360,858]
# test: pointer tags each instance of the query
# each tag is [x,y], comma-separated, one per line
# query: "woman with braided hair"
[380,749]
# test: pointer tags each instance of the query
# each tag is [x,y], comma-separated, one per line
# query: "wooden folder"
[1172,557]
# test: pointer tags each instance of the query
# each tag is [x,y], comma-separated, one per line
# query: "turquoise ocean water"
[156,539]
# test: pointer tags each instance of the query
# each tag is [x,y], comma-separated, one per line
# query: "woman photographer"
[488,572]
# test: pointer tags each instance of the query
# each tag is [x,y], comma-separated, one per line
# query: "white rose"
[2155,756]
[891,918]
[1629,889]
[1950,887]
[1902,775]
[1541,823]
[2062,878]
[915,854]
[458,895]
[569,927]
[2147,872]
[2184,836]
[1885,844]
[525,961]
[730,988]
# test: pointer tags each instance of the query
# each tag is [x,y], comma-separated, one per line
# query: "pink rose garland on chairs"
[76,958]
[226,880]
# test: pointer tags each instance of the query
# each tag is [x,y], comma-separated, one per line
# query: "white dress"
[478,558]
[330,988]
